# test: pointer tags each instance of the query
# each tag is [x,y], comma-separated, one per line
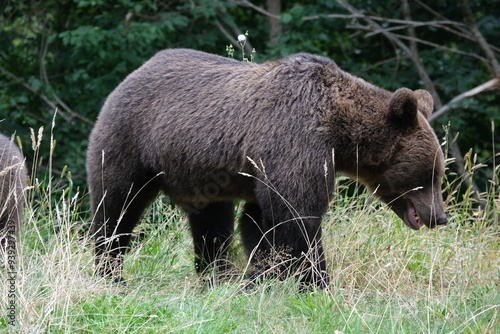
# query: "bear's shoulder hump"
[303,58]
[187,55]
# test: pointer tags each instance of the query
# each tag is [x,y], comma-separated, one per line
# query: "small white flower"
[241,38]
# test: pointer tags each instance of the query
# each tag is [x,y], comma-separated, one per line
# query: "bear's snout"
[442,221]
[437,218]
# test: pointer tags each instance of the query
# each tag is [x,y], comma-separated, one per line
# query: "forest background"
[60,59]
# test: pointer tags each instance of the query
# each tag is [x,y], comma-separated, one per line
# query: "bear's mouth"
[412,217]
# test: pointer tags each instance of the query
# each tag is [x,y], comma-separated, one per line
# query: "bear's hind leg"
[113,222]
[212,228]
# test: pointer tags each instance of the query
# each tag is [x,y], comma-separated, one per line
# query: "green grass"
[385,278]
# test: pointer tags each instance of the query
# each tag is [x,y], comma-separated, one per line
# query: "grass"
[385,278]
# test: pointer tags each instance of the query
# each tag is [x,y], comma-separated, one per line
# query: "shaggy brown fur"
[12,185]
[207,130]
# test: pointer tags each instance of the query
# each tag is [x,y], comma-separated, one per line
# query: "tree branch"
[45,97]
[462,31]
[443,23]
[232,37]
[462,27]
[489,85]
[382,62]
[418,40]
[415,57]
[493,61]
[441,47]
[248,4]
[223,30]
[412,52]
[438,23]
[43,75]
[375,25]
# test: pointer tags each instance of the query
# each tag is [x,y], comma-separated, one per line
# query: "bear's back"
[185,105]
[184,56]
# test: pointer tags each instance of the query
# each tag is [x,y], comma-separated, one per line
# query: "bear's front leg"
[282,243]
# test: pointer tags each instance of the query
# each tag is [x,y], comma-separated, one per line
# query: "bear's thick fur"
[12,185]
[207,130]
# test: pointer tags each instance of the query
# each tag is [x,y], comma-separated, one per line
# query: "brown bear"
[12,185]
[207,130]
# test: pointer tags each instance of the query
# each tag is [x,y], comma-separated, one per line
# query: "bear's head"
[410,182]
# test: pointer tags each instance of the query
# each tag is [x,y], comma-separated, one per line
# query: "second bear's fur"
[12,185]
[208,130]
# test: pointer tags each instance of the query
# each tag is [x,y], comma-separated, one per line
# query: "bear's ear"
[425,102]
[403,108]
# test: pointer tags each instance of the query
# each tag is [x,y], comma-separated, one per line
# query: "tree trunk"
[274,7]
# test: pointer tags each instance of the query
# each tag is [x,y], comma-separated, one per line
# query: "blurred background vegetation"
[69,55]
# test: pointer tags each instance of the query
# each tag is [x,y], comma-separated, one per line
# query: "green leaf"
[286,18]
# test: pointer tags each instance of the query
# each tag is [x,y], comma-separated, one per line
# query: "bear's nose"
[442,221]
